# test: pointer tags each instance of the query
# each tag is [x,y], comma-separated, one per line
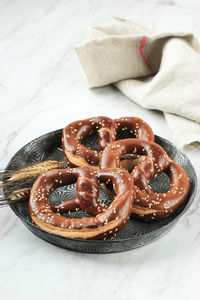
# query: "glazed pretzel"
[75,152]
[137,126]
[87,194]
[79,155]
[107,220]
[149,205]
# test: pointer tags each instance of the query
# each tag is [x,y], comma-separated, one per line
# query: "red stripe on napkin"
[142,54]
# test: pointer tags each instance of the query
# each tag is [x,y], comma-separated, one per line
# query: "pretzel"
[137,126]
[105,223]
[79,155]
[149,205]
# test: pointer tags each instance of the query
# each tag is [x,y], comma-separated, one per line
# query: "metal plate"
[136,233]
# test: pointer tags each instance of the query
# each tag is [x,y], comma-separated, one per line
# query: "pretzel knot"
[149,205]
[107,129]
[107,220]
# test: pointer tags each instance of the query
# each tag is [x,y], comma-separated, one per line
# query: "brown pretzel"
[137,126]
[107,220]
[150,205]
[79,155]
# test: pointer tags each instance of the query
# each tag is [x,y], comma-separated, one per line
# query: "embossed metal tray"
[136,233]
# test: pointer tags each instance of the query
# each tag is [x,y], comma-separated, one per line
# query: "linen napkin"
[157,71]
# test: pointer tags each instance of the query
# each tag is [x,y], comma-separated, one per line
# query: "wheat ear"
[10,180]
[33,170]
[13,196]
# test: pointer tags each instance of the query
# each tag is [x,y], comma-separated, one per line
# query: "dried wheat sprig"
[10,180]
[20,194]
[13,196]
[33,170]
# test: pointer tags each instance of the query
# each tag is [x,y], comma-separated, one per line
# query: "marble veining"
[42,89]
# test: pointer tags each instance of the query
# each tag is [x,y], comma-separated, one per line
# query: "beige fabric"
[186,131]
[157,71]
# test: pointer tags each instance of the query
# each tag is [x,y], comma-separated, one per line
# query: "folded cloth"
[157,71]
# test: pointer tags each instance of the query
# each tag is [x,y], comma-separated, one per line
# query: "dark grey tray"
[136,233]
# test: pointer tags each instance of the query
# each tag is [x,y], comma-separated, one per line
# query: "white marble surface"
[42,89]
[180,3]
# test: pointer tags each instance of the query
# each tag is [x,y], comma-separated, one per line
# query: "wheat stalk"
[13,196]
[20,194]
[33,170]
[9,179]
